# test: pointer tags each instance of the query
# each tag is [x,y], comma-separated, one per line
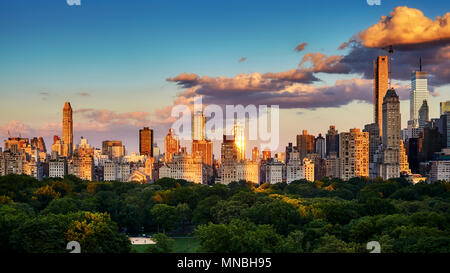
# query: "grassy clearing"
[182,245]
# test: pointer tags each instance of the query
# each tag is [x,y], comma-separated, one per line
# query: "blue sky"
[121,52]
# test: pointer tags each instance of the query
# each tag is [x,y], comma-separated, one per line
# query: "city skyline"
[208,129]
[102,113]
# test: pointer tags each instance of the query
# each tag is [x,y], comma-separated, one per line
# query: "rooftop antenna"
[389,49]
[420,64]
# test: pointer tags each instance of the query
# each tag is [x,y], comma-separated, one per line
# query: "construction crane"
[389,49]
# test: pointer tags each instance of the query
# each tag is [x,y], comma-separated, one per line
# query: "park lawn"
[185,245]
[182,245]
[139,248]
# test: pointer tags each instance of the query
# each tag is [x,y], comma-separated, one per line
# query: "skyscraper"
[444,107]
[319,146]
[353,154]
[198,126]
[390,159]
[380,87]
[404,165]
[232,167]
[430,142]
[290,150]
[239,139]
[445,130]
[424,115]
[203,148]
[67,136]
[267,154]
[255,154]
[332,141]
[113,149]
[305,144]
[374,139]
[418,93]
[146,142]
[172,145]
[82,163]
[229,151]
[39,143]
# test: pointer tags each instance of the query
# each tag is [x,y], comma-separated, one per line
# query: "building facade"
[444,107]
[273,172]
[203,148]
[187,167]
[320,146]
[389,165]
[172,145]
[354,154]
[380,87]
[305,144]
[440,171]
[332,141]
[418,94]
[67,125]
[146,141]
[198,126]
[58,167]
[113,149]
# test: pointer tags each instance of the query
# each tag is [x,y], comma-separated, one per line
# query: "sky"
[124,64]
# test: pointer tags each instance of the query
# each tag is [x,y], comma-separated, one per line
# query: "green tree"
[294,242]
[331,244]
[130,218]
[202,213]
[184,213]
[240,236]
[62,206]
[163,244]
[165,216]
[375,206]
[363,229]
[96,233]
[282,216]
[341,212]
[42,234]
[11,217]
[408,194]
[226,211]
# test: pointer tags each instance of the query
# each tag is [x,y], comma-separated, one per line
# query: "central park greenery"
[330,215]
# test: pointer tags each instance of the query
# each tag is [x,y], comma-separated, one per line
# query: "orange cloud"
[300,47]
[105,116]
[185,79]
[323,63]
[406,26]
[15,128]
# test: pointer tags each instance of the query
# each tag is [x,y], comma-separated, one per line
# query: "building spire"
[420,64]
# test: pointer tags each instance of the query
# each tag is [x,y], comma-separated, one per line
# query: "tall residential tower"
[198,126]
[390,157]
[380,87]
[146,142]
[67,136]
[418,94]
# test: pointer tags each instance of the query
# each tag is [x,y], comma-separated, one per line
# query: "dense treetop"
[330,215]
